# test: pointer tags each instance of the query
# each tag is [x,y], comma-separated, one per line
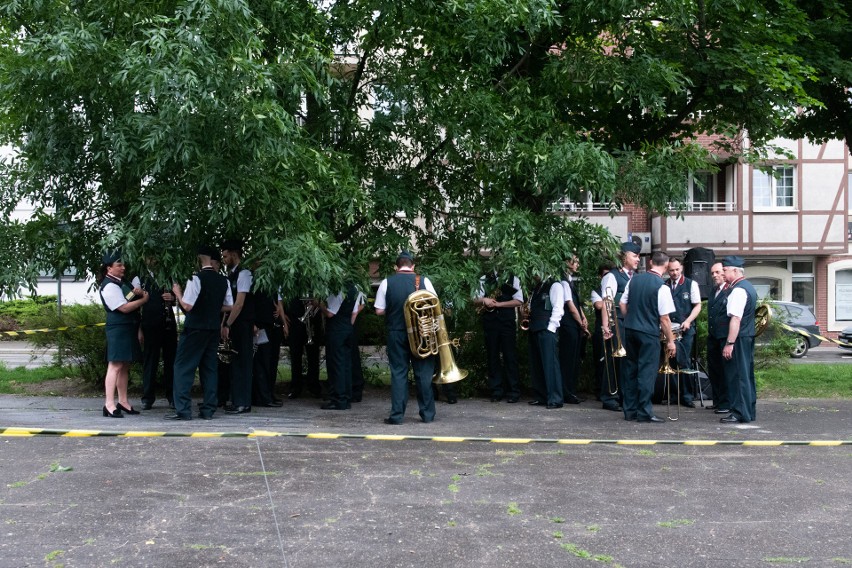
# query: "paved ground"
[292,501]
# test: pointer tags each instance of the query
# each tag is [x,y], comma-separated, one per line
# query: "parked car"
[801,317]
[846,337]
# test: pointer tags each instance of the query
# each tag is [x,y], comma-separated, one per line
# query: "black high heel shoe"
[115,413]
[130,410]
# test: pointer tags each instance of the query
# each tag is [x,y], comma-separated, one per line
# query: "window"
[767,288]
[773,189]
[701,187]
[843,295]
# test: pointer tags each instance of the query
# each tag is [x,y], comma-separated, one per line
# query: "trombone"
[667,371]
[616,350]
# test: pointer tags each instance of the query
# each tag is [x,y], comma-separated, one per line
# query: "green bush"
[82,349]
[17,315]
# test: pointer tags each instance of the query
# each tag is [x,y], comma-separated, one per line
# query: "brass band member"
[341,311]
[613,286]
[605,378]
[687,300]
[546,309]
[737,327]
[716,341]
[159,336]
[240,320]
[573,330]
[204,298]
[498,298]
[646,305]
[390,302]
[121,302]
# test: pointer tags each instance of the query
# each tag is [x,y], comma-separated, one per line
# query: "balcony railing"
[710,206]
[568,206]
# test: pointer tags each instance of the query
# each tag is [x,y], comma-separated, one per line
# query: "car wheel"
[801,348]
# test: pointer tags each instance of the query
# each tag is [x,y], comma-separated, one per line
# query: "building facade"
[790,218]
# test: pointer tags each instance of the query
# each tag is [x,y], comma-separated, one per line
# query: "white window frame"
[772,179]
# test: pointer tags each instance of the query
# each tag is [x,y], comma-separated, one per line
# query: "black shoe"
[654,419]
[613,407]
[496,398]
[571,399]
[536,403]
[147,406]
[721,411]
[630,418]
[730,419]
[553,406]
[512,399]
[130,410]
[711,407]
[334,406]
[176,416]
[452,400]
[293,395]
[355,399]
[392,422]
[238,409]
[273,404]
[205,416]
[689,404]
[114,414]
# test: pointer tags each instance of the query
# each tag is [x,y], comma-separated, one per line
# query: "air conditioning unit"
[641,239]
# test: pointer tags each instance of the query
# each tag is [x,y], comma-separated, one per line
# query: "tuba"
[762,317]
[427,334]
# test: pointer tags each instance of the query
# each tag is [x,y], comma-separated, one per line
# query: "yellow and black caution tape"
[63,328]
[818,336]
[30,432]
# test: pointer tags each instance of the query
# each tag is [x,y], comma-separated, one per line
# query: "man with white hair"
[738,353]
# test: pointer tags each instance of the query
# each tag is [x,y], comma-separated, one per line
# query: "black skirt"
[123,343]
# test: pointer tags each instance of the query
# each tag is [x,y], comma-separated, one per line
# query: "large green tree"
[330,133]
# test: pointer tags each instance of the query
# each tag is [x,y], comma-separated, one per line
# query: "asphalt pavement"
[578,486]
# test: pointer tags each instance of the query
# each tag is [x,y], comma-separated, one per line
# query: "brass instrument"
[225,353]
[311,309]
[427,334]
[762,317]
[480,309]
[524,314]
[667,371]
[169,314]
[618,350]
[615,350]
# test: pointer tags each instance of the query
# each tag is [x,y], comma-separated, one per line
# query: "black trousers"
[544,367]
[298,347]
[196,350]
[570,345]
[716,372]
[606,369]
[261,384]
[640,373]
[242,341]
[338,359]
[501,340]
[739,377]
[357,372]
[160,343]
